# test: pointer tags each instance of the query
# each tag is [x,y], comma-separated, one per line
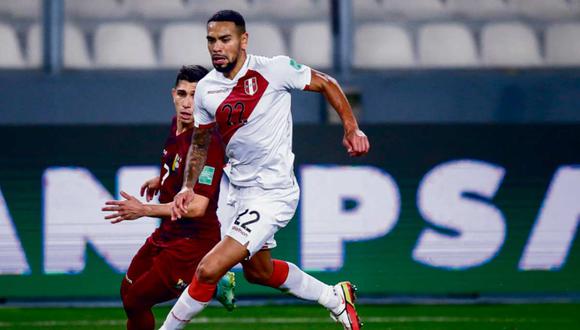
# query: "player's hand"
[151,188]
[181,202]
[129,209]
[356,143]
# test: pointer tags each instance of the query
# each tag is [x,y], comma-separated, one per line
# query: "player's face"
[225,44]
[183,100]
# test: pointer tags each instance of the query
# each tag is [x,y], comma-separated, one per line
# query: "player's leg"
[212,267]
[286,276]
[265,215]
[148,290]
[142,288]
[140,264]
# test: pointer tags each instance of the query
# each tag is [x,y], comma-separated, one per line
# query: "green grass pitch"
[297,317]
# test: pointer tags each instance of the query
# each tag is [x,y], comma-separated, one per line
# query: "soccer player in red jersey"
[165,264]
[247,97]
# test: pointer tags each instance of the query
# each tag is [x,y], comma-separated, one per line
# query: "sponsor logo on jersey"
[217,91]
[251,86]
[242,232]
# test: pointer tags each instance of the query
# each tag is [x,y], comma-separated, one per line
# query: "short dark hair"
[191,73]
[229,16]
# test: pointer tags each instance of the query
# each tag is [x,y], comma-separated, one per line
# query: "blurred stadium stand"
[403,33]
[311,44]
[412,60]
[509,44]
[11,55]
[124,45]
[446,44]
[172,36]
[76,52]
[399,52]
[563,44]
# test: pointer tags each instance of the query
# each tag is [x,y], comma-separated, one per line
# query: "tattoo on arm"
[196,156]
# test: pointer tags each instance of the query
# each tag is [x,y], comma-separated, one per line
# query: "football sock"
[304,286]
[279,273]
[190,303]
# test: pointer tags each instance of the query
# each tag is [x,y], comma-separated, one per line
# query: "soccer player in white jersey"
[248,98]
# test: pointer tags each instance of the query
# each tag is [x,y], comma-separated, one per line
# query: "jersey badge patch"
[295,64]
[251,86]
[206,176]
[176,162]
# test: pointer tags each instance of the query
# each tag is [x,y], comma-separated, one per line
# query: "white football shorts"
[257,214]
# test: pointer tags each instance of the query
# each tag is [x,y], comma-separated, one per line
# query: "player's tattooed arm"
[196,156]
[355,141]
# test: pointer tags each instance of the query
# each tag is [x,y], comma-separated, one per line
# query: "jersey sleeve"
[289,74]
[209,179]
[201,117]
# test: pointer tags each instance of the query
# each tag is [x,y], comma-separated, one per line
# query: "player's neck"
[239,65]
[181,127]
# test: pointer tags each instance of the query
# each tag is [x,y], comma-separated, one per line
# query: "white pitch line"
[289,320]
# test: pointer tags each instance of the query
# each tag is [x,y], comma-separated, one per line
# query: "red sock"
[279,274]
[202,292]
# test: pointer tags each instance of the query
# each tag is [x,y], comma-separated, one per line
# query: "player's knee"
[257,276]
[133,305]
[207,272]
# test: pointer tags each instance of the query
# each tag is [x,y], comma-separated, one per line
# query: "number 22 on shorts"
[253,215]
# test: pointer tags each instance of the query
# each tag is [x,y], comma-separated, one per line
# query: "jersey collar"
[240,73]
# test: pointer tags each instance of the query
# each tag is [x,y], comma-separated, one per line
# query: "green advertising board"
[433,210]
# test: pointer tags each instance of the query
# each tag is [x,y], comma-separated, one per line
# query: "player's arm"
[196,157]
[355,141]
[131,208]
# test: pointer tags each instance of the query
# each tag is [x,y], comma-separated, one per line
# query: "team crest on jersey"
[176,162]
[251,86]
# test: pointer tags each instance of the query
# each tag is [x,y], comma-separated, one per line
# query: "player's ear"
[244,41]
[173,94]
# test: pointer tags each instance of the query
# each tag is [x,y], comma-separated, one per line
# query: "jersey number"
[166,175]
[245,224]
[235,113]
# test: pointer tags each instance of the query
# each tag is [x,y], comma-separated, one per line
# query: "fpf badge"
[251,86]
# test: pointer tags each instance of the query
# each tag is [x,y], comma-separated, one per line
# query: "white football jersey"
[252,113]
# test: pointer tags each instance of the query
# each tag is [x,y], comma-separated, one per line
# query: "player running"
[165,264]
[248,98]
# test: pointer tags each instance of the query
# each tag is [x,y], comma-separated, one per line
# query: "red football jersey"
[172,172]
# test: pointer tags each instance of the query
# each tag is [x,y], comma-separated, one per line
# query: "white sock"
[184,309]
[307,287]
